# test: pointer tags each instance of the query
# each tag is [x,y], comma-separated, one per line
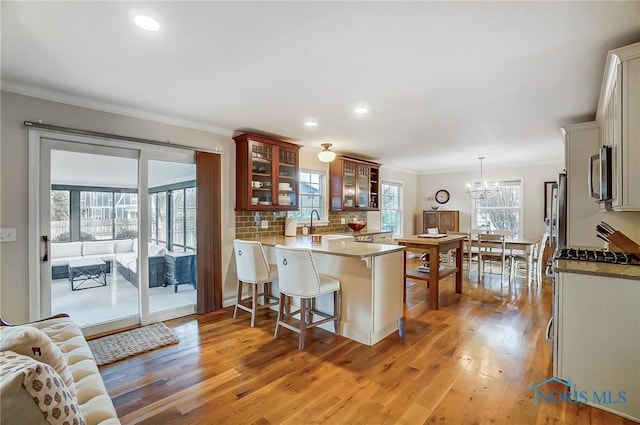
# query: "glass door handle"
[45,257]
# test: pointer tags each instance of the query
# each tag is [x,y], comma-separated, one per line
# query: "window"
[391,210]
[60,216]
[173,216]
[108,215]
[502,211]
[312,196]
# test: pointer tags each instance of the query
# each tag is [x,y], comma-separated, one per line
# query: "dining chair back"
[468,252]
[492,248]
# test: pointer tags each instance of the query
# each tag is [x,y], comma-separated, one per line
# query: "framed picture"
[548,193]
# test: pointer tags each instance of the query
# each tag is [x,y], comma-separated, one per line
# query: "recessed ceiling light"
[311,123]
[361,109]
[147,23]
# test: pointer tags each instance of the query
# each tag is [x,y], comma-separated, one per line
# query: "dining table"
[434,246]
[515,244]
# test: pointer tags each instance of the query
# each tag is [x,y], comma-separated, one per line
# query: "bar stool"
[299,278]
[253,268]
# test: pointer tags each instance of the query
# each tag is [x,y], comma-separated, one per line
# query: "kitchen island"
[371,278]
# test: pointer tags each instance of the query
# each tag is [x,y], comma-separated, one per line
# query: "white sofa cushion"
[121,246]
[66,249]
[48,393]
[63,261]
[125,259]
[93,398]
[97,248]
[156,250]
[32,342]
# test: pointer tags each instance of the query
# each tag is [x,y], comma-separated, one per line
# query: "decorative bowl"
[434,207]
[357,226]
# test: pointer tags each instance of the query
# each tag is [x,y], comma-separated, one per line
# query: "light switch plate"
[265,224]
[7,235]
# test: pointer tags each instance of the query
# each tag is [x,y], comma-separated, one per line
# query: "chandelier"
[481,190]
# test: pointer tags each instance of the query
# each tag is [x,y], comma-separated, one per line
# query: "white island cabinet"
[597,334]
[371,278]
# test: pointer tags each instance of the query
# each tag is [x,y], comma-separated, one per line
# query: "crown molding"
[559,162]
[53,96]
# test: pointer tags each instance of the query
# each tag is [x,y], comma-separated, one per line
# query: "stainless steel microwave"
[600,176]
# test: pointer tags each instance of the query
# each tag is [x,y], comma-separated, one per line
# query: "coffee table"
[87,270]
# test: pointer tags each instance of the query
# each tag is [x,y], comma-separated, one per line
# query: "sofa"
[48,376]
[122,253]
[127,263]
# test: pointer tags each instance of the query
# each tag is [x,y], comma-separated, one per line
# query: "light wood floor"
[472,362]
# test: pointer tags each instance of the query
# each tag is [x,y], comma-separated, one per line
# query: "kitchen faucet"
[311,228]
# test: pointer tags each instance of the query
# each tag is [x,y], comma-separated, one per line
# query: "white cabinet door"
[598,340]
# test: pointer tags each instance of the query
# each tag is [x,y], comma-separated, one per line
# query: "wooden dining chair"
[468,252]
[492,248]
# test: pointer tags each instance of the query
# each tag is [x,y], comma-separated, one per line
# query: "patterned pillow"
[44,385]
[32,342]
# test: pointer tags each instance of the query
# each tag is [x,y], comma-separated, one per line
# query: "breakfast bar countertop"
[343,247]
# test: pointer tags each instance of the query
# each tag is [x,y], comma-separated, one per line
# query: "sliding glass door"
[172,234]
[117,233]
[89,215]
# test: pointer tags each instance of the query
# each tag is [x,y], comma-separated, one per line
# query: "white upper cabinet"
[619,118]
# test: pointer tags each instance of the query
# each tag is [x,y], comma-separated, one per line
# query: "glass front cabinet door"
[266,173]
[354,184]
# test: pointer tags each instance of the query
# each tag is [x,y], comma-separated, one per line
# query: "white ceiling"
[84,169]
[446,82]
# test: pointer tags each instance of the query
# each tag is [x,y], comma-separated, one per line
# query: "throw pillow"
[32,342]
[44,385]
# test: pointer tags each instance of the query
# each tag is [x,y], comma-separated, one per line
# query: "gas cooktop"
[596,255]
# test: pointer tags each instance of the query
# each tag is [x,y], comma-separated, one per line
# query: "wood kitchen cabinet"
[355,184]
[266,173]
[445,221]
[618,112]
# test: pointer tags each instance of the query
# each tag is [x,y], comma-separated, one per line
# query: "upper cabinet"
[354,184]
[618,112]
[266,173]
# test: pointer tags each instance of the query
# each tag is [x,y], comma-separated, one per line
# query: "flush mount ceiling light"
[326,155]
[147,23]
[311,123]
[361,109]
[481,190]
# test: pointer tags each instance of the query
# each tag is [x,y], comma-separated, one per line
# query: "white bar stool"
[253,268]
[299,278]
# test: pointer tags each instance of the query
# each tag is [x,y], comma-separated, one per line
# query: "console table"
[180,269]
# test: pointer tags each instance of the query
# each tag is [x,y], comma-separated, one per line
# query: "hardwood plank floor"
[472,362]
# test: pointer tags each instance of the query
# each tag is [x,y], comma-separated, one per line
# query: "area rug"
[112,348]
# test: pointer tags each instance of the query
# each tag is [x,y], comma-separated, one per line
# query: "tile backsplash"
[248,223]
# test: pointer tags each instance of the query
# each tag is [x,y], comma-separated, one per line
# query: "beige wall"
[15,109]
[533,177]
[409,200]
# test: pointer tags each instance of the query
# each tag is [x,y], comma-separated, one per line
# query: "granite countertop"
[343,247]
[597,269]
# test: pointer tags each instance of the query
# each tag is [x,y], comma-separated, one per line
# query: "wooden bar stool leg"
[303,324]
[280,314]
[254,304]
[337,310]
[238,300]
